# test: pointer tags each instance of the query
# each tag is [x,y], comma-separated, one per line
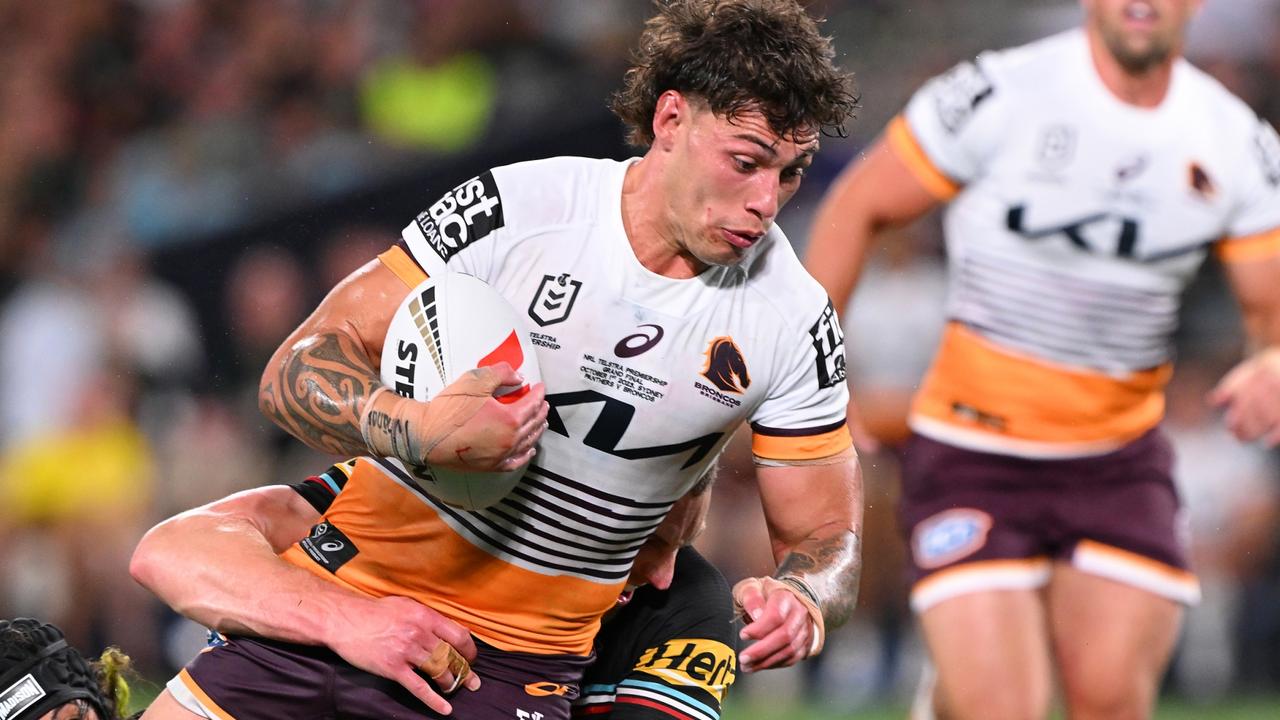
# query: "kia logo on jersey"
[726,368]
[554,299]
[638,342]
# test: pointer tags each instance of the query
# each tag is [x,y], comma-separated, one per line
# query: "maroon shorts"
[256,679]
[979,521]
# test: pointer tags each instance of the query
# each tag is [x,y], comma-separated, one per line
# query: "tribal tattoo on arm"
[832,567]
[318,391]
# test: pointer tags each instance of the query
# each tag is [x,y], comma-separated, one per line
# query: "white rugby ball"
[448,325]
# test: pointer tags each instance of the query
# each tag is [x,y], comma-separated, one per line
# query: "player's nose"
[763,200]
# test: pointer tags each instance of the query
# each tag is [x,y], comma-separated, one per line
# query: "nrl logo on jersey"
[1057,146]
[554,299]
[464,215]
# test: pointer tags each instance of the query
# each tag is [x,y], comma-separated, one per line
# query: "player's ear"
[671,111]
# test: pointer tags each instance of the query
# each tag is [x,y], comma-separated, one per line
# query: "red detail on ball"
[509,352]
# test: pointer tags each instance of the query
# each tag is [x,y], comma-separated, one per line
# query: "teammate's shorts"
[980,521]
[257,679]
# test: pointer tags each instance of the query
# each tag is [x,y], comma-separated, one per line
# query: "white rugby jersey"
[1076,222]
[647,378]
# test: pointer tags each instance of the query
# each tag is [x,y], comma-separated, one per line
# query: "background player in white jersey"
[1088,174]
[669,311]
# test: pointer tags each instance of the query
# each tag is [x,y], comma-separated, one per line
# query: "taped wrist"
[802,591]
[419,432]
[394,426]
[810,600]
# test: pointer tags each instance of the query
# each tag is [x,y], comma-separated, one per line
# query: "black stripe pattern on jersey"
[1063,318]
[759,429]
[552,524]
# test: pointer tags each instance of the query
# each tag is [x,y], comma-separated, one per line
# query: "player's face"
[1141,34]
[727,181]
[656,561]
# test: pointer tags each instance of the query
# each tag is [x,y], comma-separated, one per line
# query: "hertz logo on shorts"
[707,664]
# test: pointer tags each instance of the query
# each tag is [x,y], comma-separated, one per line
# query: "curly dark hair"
[736,56]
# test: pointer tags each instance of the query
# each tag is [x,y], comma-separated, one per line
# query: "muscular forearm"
[829,563]
[221,572]
[316,388]
[814,512]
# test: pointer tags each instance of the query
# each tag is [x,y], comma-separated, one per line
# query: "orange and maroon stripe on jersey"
[394,542]
[800,444]
[980,396]
[398,260]
[1261,246]
[905,146]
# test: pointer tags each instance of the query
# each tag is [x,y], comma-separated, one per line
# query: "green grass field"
[1242,709]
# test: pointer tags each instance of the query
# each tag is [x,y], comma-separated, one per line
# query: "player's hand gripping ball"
[446,326]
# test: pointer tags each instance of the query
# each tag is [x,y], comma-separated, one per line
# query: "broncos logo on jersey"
[726,368]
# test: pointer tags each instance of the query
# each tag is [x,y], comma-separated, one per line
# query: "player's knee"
[1004,702]
[1109,696]
[1110,688]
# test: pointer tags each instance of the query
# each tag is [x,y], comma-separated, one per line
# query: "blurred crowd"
[143,141]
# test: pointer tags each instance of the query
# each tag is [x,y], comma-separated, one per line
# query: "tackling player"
[669,310]
[1088,174]
[667,647]
[44,678]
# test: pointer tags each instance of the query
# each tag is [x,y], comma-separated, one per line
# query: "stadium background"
[181,180]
